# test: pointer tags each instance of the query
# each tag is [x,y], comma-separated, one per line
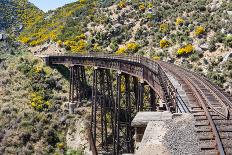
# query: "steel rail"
[207,82]
[209,117]
[197,92]
[223,111]
[226,111]
[225,102]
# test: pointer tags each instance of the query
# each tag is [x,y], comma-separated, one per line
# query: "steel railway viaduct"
[124,85]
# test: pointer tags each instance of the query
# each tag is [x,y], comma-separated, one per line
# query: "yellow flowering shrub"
[24,40]
[164,43]
[122,4]
[199,30]
[97,48]
[128,48]
[69,43]
[82,1]
[163,27]
[38,69]
[189,48]
[179,21]
[121,50]
[81,36]
[60,43]
[180,51]
[79,47]
[185,50]
[132,47]
[156,58]
[142,7]
[150,5]
[37,102]
[35,42]
[60,145]
[53,35]
[41,28]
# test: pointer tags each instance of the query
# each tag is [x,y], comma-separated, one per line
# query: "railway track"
[211,109]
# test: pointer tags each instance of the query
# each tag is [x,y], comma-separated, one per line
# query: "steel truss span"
[114,106]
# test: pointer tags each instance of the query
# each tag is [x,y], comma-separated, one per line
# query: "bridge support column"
[72,103]
[103,93]
[102,106]
[94,106]
[128,119]
[84,85]
[141,95]
[153,99]
[117,115]
[136,92]
[71,82]
[77,86]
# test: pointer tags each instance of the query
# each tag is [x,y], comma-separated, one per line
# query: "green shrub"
[194,57]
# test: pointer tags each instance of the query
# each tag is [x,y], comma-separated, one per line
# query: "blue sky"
[46,5]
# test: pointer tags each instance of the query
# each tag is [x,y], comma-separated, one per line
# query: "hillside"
[195,33]
[33,115]
[16,14]
[152,25]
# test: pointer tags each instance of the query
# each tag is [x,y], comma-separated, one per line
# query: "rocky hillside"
[16,14]
[33,115]
[151,26]
[195,34]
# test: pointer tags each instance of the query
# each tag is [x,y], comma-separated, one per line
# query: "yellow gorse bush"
[156,58]
[185,50]
[37,101]
[199,30]
[122,4]
[82,1]
[128,48]
[60,43]
[38,69]
[142,7]
[132,46]
[81,36]
[150,5]
[179,21]
[24,40]
[164,43]
[78,47]
[121,50]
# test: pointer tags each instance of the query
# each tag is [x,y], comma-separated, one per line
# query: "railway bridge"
[121,86]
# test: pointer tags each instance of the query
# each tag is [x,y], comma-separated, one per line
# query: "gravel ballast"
[181,137]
